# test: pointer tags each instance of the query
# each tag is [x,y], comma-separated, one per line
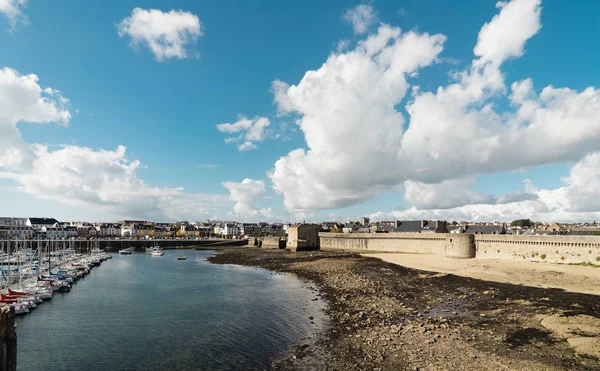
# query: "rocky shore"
[387,317]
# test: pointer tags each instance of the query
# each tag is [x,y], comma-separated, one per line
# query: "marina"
[149,313]
[32,271]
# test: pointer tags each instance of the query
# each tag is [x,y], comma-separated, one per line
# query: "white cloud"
[505,35]
[73,175]
[246,195]
[249,131]
[23,100]
[348,118]
[13,10]
[361,17]
[447,194]
[106,180]
[166,34]
[577,200]
[358,144]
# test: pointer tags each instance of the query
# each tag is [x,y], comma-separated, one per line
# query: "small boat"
[158,253]
[125,252]
[181,257]
[20,309]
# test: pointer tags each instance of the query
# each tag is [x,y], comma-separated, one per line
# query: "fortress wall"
[270,242]
[551,249]
[412,243]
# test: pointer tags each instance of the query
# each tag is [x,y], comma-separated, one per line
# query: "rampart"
[411,243]
[552,249]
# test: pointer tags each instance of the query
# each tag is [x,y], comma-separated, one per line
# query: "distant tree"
[522,223]
[337,230]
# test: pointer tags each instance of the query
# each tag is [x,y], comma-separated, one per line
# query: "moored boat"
[158,252]
[182,257]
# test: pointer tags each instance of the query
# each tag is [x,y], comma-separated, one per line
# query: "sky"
[276,111]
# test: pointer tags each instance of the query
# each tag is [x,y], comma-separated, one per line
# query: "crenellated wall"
[552,249]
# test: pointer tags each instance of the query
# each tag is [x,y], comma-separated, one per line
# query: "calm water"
[144,312]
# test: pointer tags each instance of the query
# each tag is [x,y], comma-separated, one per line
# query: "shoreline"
[384,316]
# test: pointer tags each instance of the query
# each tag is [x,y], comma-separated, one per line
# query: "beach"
[385,316]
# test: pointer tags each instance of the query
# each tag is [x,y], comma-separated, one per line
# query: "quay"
[114,245]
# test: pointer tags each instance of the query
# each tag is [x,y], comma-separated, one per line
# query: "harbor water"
[143,312]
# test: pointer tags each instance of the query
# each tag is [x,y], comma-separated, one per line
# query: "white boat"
[20,308]
[158,252]
[153,248]
[125,252]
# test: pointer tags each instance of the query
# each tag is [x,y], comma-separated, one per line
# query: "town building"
[486,229]
[231,229]
[39,223]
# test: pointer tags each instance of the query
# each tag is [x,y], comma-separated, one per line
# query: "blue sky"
[166,112]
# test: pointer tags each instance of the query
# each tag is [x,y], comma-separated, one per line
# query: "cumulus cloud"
[359,143]
[166,34]
[447,194]
[248,131]
[361,17]
[73,175]
[246,195]
[577,200]
[105,179]
[22,99]
[348,118]
[13,10]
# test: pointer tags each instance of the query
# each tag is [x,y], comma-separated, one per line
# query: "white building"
[231,230]
[60,232]
[38,223]
[108,230]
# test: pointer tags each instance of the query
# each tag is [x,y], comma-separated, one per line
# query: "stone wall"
[552,249]
[303,237]
[270,242]
[411,243]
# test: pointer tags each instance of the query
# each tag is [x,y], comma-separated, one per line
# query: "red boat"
[17,293]
[8,299]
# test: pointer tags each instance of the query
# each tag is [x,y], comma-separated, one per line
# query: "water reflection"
[144,312]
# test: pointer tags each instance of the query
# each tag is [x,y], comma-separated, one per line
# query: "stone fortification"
[413,243]
[271,242]
[552,249]
[303,237]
